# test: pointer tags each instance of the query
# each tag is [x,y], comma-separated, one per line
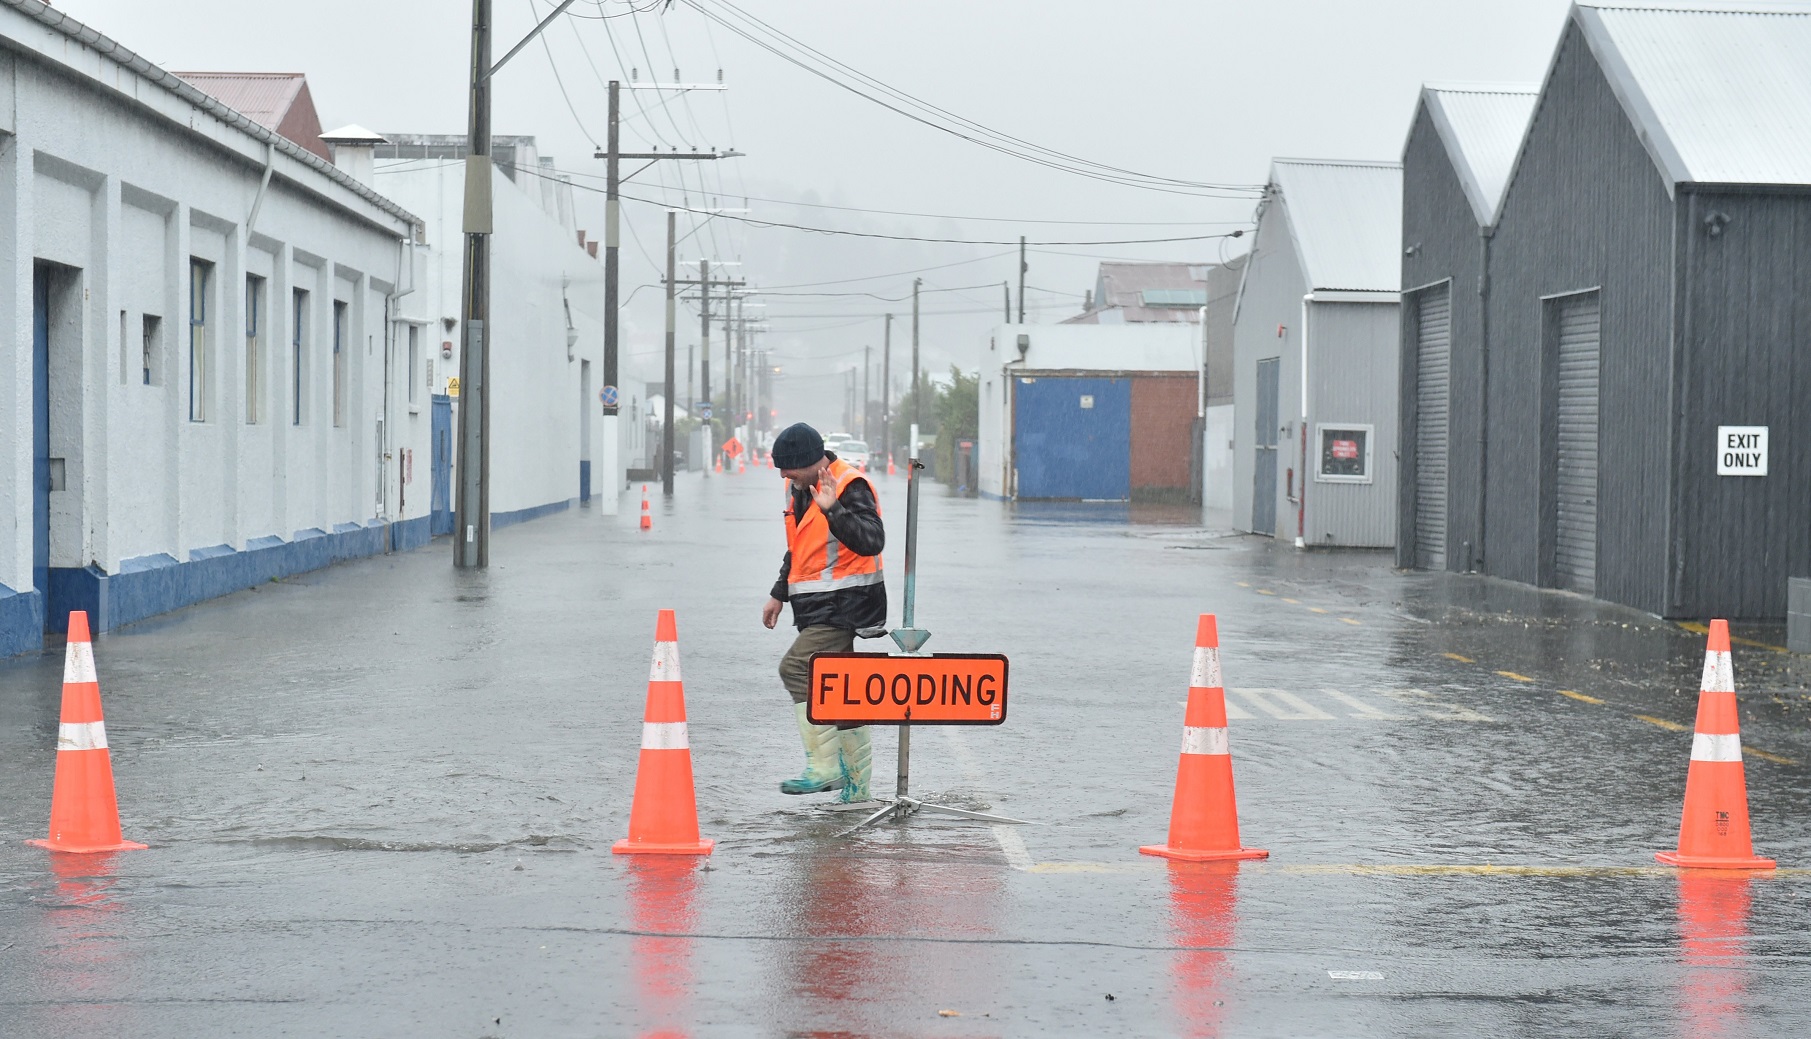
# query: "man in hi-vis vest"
[831,576]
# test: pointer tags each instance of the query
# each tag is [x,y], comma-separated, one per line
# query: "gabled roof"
[1146,293]
[1719,92]
[1346,220]
[277,101]
[1482,126]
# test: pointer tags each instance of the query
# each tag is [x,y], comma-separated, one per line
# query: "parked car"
[854,452]
[835,441]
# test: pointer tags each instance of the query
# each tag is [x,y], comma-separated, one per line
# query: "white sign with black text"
[1741,450]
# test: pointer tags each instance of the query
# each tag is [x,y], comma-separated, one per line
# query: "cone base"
[73,849]
[1673,858]
[1197,855]
[633,847]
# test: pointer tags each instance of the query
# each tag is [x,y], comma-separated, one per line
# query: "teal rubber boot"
[822,771]
[855,759]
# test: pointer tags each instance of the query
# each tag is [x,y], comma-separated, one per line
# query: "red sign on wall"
[1345,449]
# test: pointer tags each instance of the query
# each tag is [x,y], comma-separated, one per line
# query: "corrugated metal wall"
[1585,209]
[1072,438]
[1439,225]
[1270,303]
[1353,373]
[1163,426]
[1746,361]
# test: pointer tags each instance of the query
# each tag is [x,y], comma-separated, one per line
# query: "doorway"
[1264,473]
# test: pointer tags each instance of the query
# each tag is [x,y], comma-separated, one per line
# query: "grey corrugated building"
[1648,291]
[1315,367]
[1461,146]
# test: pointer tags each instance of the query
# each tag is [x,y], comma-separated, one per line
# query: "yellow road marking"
[1242,584]
[1348,620]
[1316,609]
[1460,659]
[1580,697]
[1292,602]
[1265,591]
[1512,674]
[1765,756]
[1662,722]
[1701,629]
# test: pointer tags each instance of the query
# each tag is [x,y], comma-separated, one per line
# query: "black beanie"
[797,447]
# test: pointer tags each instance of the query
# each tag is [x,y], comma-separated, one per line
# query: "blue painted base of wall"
[149,585]
[499,520]
[21,621]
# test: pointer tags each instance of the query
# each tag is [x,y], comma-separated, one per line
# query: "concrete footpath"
[380,800]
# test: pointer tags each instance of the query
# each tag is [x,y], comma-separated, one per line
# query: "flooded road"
[380,801]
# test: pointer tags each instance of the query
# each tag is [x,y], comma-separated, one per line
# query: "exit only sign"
[1741,450]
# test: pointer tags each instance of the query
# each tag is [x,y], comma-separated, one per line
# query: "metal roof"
[1482,126]
[1721,93]
[1346,221]
[1173,297]
[1121,290]
[277,101]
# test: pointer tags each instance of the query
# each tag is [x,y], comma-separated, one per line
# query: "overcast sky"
[1201,91]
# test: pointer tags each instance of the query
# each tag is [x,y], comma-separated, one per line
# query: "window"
[414,362]
[298,337]
[200,273]
[254,321]
[151,334]
[1345,452]
[339,362]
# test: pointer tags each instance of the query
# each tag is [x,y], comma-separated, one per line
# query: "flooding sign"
[878,689]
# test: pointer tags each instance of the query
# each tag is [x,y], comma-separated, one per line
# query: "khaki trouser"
[795,666]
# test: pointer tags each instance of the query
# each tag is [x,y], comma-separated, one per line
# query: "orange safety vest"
[819,561]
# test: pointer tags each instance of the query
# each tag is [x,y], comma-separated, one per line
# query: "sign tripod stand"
[911,642]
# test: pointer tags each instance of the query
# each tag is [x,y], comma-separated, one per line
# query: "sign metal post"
[911,640]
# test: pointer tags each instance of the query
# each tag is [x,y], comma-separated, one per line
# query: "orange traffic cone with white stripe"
[664,817]
[1204,815]
[84,814]
[890,470]
[1713,829]
[647,519]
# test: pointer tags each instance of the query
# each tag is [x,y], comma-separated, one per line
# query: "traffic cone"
[718,465]
[889,464]
[84,814]
[647,518]
[1204,815]
[664,817]
[1713,829]
[741,467]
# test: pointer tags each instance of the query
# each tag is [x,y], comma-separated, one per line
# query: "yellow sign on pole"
[452,386]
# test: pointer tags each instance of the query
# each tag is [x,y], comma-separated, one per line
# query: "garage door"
[1433,392]
[1072,438]
[1575,537]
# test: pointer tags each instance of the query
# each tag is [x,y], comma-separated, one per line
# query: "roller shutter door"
[1575,536]
[1433,395]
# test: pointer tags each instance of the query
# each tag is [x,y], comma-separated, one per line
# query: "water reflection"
[1204,902]
[1137,513]
[1713,940]
[84,950]
[662,895]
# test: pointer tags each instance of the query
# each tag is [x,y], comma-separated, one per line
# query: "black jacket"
[855,522]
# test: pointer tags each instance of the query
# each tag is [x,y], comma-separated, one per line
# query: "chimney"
[591,247]
[581,238]
[353,146]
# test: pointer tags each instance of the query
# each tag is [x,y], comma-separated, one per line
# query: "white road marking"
[1293,708]
[1355,975]
[1360,709]
[1012,844]
[1432,707]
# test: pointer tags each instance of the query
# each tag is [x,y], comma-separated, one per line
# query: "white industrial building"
[546,334]
[1089,412]
[1315,356]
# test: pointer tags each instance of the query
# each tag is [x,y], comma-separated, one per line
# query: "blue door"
[1072,438]
[40,434]
[441,505]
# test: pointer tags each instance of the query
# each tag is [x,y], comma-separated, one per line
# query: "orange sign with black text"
[880,689]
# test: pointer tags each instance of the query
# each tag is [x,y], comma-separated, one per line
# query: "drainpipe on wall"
[1301,491]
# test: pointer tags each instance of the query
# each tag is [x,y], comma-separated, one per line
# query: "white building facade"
[200,343]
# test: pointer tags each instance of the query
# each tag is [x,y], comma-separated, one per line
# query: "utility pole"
[917,416]
[886,389]
[613,181]
[1023,267]
[666,429]
[471,506]
[867,361]
[471,540]
[704,362]
[691,388]
[1006,290]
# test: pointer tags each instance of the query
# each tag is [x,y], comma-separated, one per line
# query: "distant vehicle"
[833,441]
[854,452]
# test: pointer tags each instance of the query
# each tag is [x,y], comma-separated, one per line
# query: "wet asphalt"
[380,800]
